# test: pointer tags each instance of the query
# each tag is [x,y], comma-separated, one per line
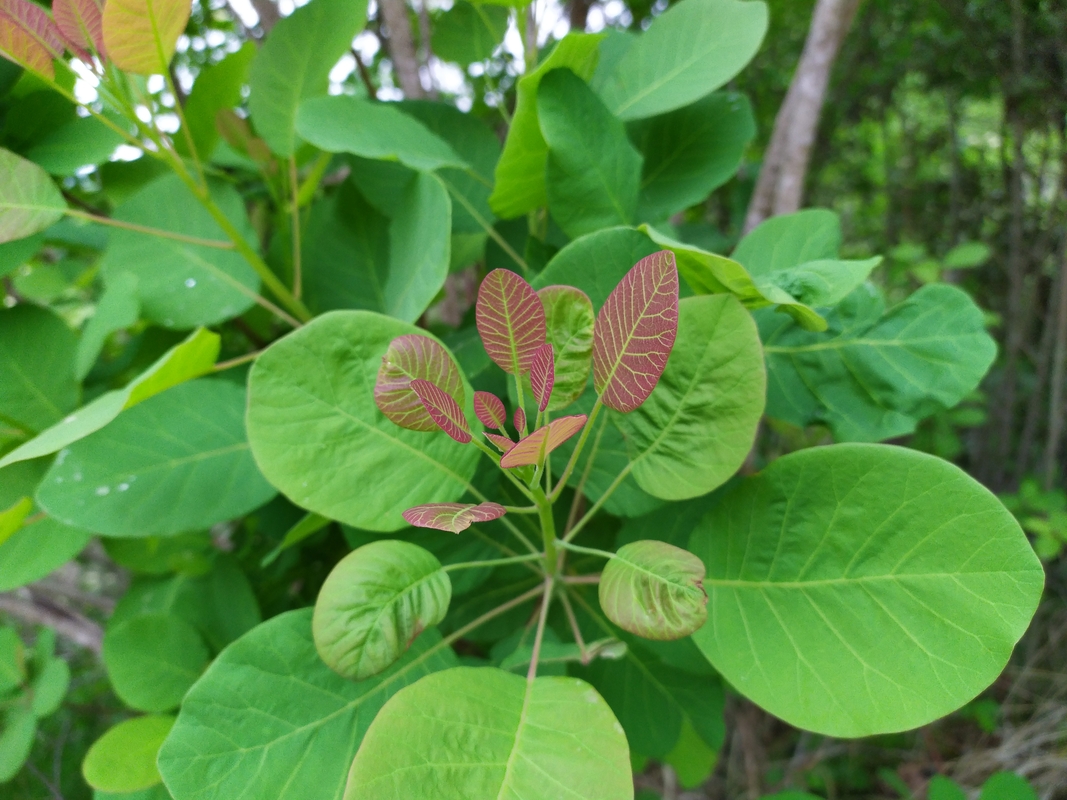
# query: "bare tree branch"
[402,47]
[26,606]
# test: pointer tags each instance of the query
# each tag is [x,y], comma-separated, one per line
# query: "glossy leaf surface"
[442,408]
[487,734]
[655,590]
[374,603]
[699,424]
[490,410]
[543,375]
[511,320]
[29,201]
[124,758]
[452,517]
[532,449]
[909,581]
[569,323]
[140,35]
[316,432]
[224,744]
[408,358]
[635,331]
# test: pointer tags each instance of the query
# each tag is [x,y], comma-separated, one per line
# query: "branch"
[81,630]
[402,47]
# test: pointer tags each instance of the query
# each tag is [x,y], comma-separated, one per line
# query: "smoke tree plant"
[542,541]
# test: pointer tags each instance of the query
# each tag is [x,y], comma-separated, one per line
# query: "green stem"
[188,134]
[493,562]
[546,602]
[577,548]
[484,618]
[579,490]
[133,226]
[596,506]
[548,529]
[313,179]
[490,231]
[576,631]
[507,473]
[577,449]
[294,226]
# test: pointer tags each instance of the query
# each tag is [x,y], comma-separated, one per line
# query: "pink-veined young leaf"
[542,441]
[408,358]
[454,517]
[444,410]
[519,420]
[503,443]
[29,37]
[510,319]
[543,375]
[489,410]
[141,35]
[82,24]
[635,332]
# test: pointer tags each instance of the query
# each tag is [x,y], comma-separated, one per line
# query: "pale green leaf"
[862,589]
[152,660]
[569,323]
[17,732]
[124,758]
[11,518]
[485,734]
[967,256]
[14,254]
[418,249]
[693,761]
[269,719]
[790,239]
[37,549]
[316,432]
[29,201]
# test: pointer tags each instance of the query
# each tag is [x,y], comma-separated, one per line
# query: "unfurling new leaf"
[443,410]
[655,590]
[533,448]
[511,321]
[503,443]
[408,358]
[543,375]
[452,517]
[519,420]
[635,331]
[489,410]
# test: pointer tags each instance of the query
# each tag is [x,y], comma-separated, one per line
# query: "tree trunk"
[402,47]
[780,188]
[1056,408]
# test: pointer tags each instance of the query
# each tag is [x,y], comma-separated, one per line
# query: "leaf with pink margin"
[29,37]
[82,24]
[510,319]
[549,437]
[543,375]
[454,517]
[443,410]
[503,443]
[489,410]
[569,318]
[635,332]
[519,420]
[408,358]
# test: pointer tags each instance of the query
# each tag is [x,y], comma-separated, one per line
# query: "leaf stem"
[133,226]
[548,529]
[507,473]
[577,449]
[596,506]
[546,601]
[490,231]
[459,633]
[222,366]
[575,630]
[507,551]
[593,551]
[497,562]
[579,490]
[571,580]
[521,403]
[294,226]
[188,134]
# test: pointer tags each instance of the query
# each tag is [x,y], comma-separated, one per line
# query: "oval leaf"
[452,517]
[518,419]
[863,589]
[408,358]
[502,442]
[635,331]
[542,375]
[140,35]
[533,448]
[124,758]
[511,320]
[82,23]
[569,320]
[29,37]
[443,410]
[29,200]
[485,734]
[489,410]
[655,590]
[374,603]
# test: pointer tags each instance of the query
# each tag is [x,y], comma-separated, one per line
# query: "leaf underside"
[443,410]
[544,440]
[408,358]
[489,410]
[452,517]
[511,321]
[542,375]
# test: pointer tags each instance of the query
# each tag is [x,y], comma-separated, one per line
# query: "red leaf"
[543,375]
[542,441]
[489,410]
[454,517]
[635,331]
[81,23]
[410,357]
[29,37]
[443,410]
[519,419]
[502,442]
[511,320]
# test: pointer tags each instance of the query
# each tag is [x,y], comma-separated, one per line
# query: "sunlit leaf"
[655,590]
[29,37]
[490,410]
[81,23]
[452,517]
[442,409]
[533,448]
[635,331]
[543,375]
[374,603]
[511,320]
[29,200]
[124,758]
[141,35]
[408,358]
[569,323]
[11,518]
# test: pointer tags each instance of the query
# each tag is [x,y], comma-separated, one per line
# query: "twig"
[546,601]
[71,625]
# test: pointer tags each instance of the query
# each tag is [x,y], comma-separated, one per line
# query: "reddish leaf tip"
[490,410]
[519,420]
[443,410]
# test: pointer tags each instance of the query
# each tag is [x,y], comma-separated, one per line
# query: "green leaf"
[469,32]
[295,63]
[690,50]
[14,254]
[81,142]
[374,603]
[596,263]
[37,549]
[967,256]
[862,589]
[784,241]
[1007,786]
[594,173]
[346,124]
[692,759]
[191,358]
[311,523]
[140,35]
[316,432]
[17,733]
[690,152]
[118,308]
[655,590]
[941,788]
[569,322]
[37,383]
[520,173]
[12,661]
[698,425]
[152,660]
[486,734]
[49,687]
[418,249]
[157,792]
[224,745]
[875,372]
[217,87]
[124,758]
[11,518]
[175,463]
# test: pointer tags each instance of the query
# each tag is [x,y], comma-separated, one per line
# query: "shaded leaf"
[117,308]
[469,32]
[596,263]
[542,375]
[489,410]
[37,382]
[37,549]
[84,141]
[443,410]
[140,35]
[511,320]
[29,201]
[452,517]
[374,603]
[49,686]
[16,741]
[635,331]
[569,323]
[408,358]
[124,758]
[533,448]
